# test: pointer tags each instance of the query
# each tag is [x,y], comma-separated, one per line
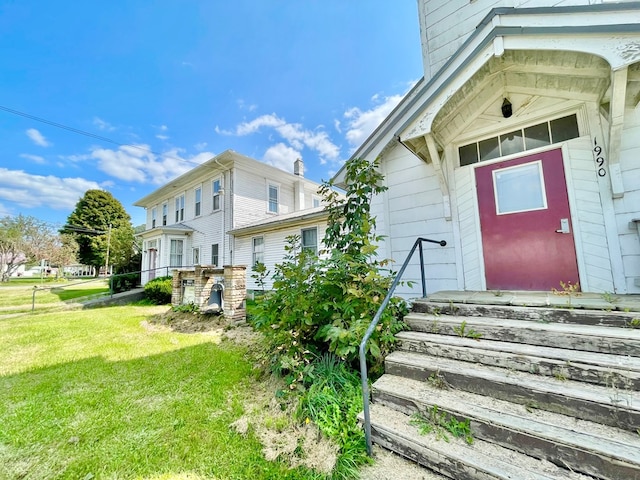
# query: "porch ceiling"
[532,80]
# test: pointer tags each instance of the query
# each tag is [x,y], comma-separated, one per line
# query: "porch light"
[507,111]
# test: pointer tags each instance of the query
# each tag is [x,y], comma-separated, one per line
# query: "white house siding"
[627,207]
[415,209]
[449,23]
[274,243]
[588,217]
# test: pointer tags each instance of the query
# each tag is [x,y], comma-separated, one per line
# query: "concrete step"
[609,406]
[590,338]
[619,371]
[456,459]
[542,313]
[604,452]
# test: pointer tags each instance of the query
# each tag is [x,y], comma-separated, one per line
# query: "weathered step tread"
[455,459]
[596,448]
[604,360]
[567,388]
[622,341]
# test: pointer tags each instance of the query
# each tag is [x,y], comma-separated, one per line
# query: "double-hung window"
[198,195]
[196,256]
[153,217]
[175,253]
[216,187]
[258,250]
[214,255]
[179,208]
[310,240]
[165,213]
[273,198]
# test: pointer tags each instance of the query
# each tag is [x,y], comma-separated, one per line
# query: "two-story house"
[519,147]
[189,219]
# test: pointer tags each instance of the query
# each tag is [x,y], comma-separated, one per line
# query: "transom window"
[528,138]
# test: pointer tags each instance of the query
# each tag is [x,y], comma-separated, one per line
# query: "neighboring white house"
[520,147]
[264,241]
[189,218]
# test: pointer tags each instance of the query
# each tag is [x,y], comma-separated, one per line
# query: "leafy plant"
[440,422]
[325,304]
[463,331]
[159,290]
[186,308]
[567,288]
[260,275]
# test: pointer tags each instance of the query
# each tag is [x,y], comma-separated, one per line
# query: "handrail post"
[376,318]
[422,277]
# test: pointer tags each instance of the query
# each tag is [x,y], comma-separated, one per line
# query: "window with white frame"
[215,259]
[258,250]
[273,198]
[153,217]
[198,205]
[310,240]
[196,256]
[165,213]
[216,187]
[175,253]
[180,208]
[316,201]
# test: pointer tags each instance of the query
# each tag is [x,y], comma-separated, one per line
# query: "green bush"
[159,290]
[124,282]
[321,305]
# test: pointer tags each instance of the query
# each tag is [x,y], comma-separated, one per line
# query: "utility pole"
[106,260]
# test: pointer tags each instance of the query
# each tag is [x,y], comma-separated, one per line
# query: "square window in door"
[519,188]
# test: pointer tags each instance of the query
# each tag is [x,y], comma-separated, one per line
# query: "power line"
[91,135]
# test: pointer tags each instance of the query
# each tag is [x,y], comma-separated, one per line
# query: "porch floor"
[588,301]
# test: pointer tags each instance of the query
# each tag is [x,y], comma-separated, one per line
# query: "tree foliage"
[27,240]
[100,223]
[326,304]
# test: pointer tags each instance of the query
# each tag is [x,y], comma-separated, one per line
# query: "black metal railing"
[363,345]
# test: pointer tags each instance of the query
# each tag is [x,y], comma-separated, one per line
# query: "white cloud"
[5,211]
[281,156]
[138,164]
[163,137]
[360,124]
[200,146]
[31,191]
[37,138]
[295,135]
[34,158]
[102,125]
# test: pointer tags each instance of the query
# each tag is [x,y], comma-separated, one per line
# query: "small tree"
[326,305]
[101,226]
[23,240]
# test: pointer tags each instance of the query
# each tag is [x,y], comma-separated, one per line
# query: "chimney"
[298,168]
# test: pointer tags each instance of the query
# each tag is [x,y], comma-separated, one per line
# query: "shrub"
[321,305]
[124,282]
[159,290]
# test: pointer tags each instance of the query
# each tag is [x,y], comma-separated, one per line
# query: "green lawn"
[20,294]
[101,394]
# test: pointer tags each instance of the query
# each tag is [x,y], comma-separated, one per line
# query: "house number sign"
[597,149]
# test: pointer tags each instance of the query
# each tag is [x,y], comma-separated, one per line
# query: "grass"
[101,394]
[18,296]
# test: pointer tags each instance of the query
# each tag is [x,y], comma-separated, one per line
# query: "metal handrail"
[374,323]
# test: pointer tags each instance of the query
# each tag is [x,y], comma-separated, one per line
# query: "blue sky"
[183,80]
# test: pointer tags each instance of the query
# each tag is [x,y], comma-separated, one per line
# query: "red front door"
[527,236]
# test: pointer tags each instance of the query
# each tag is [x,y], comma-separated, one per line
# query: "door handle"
[564,226]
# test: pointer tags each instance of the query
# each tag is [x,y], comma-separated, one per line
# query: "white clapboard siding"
[466,205]
[415,209]
[274,243]
[589,222]
[628,207]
